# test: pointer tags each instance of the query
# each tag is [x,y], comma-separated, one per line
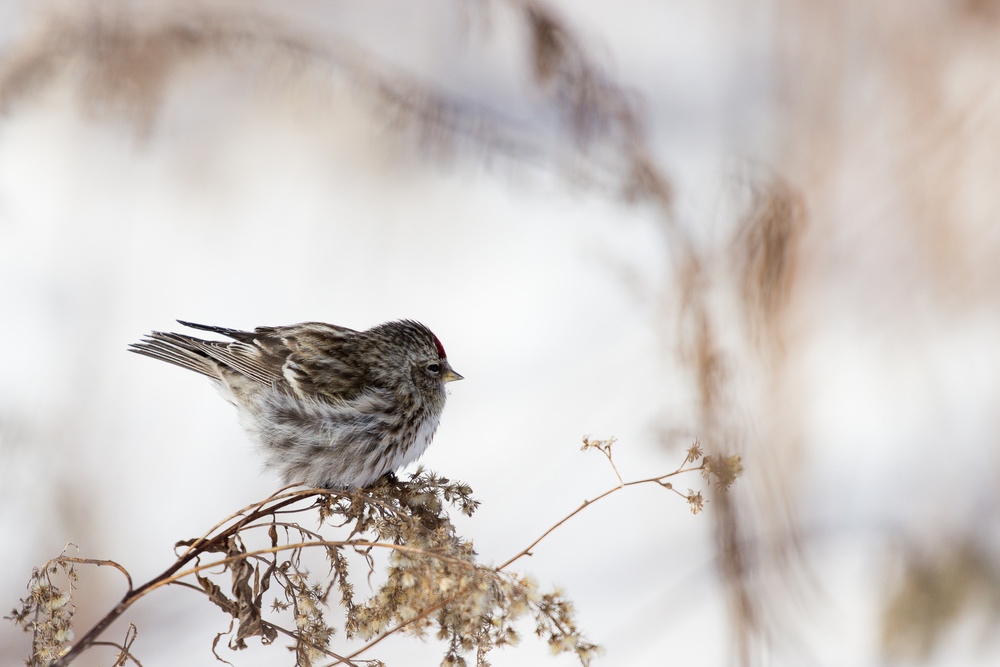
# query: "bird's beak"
[450,375]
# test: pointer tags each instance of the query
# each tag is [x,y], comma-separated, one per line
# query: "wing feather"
[308,359]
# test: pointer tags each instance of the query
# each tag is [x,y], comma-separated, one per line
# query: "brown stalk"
[133,594]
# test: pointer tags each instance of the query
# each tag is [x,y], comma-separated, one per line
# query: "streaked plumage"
[331,407]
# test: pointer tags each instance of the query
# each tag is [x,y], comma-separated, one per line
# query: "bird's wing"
[321,360]
[309,359]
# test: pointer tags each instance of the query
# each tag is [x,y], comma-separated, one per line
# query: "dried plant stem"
[99,562]
[586,503]
[341,659]
[134,594]
[379,509]
[124,653]
[280,494]
[525,552]
[173,574]
[402,626]
[364,544]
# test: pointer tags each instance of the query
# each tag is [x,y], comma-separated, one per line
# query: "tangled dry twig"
[432,578]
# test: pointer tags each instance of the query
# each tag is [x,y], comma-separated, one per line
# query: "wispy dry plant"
[890,119]
[253,567]
[933,590]
[124,62]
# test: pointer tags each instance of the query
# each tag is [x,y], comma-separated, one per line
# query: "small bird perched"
[330,406]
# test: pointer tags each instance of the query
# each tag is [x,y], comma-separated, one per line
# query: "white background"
[252,202]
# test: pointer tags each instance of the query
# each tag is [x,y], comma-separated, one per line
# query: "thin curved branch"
[586,503]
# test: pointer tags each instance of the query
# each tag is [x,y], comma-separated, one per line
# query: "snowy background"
[258,194]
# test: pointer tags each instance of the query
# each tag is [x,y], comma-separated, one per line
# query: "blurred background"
[770,226]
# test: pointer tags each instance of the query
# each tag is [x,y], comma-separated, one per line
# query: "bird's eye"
[434,368]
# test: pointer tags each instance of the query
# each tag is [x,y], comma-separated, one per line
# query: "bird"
[329,406]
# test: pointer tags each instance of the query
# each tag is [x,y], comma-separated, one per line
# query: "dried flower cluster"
[47,612]
[254,567]
[724,469]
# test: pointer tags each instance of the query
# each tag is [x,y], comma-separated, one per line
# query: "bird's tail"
[177,349]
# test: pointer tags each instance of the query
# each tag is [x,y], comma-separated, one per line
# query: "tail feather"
[176,349]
